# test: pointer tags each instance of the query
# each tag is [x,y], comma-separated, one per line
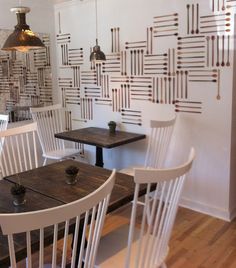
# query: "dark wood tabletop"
[34,201]
[100,137]
[46,188]
[50,181]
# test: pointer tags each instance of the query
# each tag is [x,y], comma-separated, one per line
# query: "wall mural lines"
[165,27]
[115,40]
[131,117]
[25,78]
[136,72]
[86,108]
[193,107]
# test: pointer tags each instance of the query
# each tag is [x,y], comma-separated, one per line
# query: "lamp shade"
[22,39]
[97,55]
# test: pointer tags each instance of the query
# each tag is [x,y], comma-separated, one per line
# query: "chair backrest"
[3,126]
[50,120]
[88,213]
[19,151]
[3,121]
[158,143]
[152,245]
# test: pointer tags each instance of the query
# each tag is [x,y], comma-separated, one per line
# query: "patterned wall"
[25,78]
[135,71]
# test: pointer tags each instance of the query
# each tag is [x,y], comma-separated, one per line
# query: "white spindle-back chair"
[51,120]
[19,151]
[161,133]
[148,245]
[3,121]
[158,144]
[3,125]
[91,208]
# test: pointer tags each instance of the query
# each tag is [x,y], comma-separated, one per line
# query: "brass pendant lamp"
[97,55]
[22,39]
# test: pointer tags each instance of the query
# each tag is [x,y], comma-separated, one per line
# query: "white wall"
[207,188]
[232,186]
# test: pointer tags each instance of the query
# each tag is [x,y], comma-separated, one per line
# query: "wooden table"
[46,188]
[101,138]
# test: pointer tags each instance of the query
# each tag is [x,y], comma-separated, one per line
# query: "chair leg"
[45,161]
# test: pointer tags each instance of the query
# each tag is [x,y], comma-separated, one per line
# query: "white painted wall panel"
[207,188]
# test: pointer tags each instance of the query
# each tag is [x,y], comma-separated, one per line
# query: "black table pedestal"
[99,157]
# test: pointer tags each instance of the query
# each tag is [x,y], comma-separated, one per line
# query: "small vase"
[19,199]
[112,129]
[71,179]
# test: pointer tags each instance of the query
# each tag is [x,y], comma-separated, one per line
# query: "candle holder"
[71,174]
[18,192]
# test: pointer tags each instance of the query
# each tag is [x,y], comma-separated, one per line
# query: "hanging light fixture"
[97,54]
[22,39]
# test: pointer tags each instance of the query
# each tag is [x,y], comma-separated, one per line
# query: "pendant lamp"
[97,55]
[22,39]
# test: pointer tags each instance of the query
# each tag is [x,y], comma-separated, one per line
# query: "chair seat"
[113,247]
[60,154]
[129,170]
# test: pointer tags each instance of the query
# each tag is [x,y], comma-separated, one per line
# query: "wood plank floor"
[198,240]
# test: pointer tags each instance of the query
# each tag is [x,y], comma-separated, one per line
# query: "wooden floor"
[198,240]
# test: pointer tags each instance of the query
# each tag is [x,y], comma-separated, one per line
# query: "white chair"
[51,120]
[148,245]
[3,125]
[158,143]
[19,151]
[3,121]
[94,205]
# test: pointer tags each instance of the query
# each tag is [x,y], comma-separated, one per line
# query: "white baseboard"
[209,210]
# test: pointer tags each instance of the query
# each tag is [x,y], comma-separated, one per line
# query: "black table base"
[99,157]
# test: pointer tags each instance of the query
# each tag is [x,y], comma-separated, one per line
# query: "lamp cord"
[96,8]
